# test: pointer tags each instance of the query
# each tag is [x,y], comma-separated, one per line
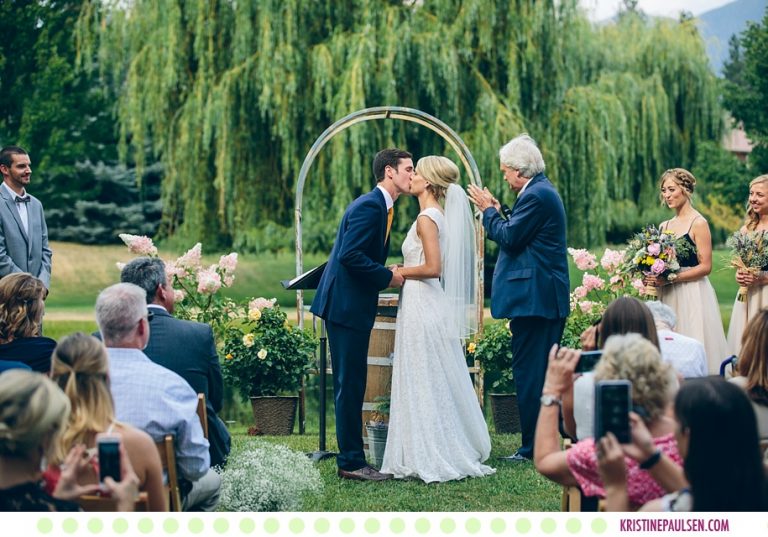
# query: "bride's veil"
[459,278]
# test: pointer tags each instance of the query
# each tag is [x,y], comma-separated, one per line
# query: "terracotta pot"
[274,415]
[506,415]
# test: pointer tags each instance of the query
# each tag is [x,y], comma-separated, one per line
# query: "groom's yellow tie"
[390,215]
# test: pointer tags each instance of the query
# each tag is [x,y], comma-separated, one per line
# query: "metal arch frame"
[387,112]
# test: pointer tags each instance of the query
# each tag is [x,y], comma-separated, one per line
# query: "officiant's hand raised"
[397,278]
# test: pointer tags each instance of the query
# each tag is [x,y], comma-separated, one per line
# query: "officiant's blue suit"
[347,297]
[531,288]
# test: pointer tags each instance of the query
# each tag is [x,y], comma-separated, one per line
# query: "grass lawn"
[514,487]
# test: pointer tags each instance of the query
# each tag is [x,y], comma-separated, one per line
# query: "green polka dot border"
[320,524]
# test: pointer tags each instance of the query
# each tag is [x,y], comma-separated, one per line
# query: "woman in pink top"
[629,357]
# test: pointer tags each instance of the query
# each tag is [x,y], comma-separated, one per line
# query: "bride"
[437,431]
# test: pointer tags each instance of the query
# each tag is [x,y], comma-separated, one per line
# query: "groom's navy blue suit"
[346,298]
[530,287]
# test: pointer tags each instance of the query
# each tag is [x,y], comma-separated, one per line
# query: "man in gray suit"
[23,233]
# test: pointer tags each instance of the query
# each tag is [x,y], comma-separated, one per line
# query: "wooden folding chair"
[570,501]
[100,504]
[167,450]
[202,413]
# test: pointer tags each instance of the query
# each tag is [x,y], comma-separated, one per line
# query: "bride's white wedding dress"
[436,431]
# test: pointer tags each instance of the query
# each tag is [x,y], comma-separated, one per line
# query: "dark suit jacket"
[188,349]
[531,275]
[349,288]
[21,251]
[35,352]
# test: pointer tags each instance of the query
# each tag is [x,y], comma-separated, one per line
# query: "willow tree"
[230,95]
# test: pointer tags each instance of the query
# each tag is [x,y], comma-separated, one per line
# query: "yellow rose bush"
[264,355]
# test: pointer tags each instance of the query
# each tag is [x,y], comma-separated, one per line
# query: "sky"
[603,9]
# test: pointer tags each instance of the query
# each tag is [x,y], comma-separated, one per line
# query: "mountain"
[719,24]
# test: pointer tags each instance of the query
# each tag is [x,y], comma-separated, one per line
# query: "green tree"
[746,87]
[231,95]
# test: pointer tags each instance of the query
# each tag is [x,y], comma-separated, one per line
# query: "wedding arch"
[454,140]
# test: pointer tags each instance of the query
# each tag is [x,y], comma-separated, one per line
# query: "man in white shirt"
[151,397]
[684,353]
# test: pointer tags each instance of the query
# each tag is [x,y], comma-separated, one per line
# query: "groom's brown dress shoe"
[366,473]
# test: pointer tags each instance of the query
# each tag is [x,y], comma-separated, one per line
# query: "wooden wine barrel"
[380,352]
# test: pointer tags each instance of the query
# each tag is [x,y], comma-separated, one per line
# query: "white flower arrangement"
[267,477]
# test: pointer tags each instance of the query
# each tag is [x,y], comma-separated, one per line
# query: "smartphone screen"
[109,458]
[613,401]
[587,361]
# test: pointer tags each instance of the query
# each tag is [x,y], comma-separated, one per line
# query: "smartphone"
[613,401]
[109,456]
[587,361]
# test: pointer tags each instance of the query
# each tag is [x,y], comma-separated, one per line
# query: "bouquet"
[654,253]
[749,253]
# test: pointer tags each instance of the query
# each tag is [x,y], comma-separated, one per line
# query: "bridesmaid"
[757,284]
[691,295]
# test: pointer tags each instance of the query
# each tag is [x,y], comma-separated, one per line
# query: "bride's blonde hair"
[439,173]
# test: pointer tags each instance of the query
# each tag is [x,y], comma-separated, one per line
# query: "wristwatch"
[550,400]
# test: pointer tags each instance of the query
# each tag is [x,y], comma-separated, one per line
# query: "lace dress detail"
[437,431]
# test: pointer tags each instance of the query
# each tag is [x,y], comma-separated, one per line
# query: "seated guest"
[33,413]
[622,316]
[630,357]
[717,438]
[752,368]
[6,365]
[683,353]
[151,397]
[21,314]
[185,347]
[80,367]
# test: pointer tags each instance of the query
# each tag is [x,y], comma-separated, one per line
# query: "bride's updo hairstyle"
[439,173]
[80,368]
[682,178]
[33,411]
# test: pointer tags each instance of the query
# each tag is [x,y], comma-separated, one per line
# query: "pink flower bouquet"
[653,253]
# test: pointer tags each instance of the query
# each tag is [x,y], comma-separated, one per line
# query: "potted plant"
[493,350]
[377,428]
[265,358]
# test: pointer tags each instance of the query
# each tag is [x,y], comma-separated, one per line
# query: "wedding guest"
[622,316]
[630,357]
[717,438]
[22,303]
[81,369]
[756,283]
[185,347]
[690,295]
[151,397]
[33,413]
[752,368]
[683,353]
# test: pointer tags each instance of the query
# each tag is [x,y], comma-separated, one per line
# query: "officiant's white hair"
[522,154]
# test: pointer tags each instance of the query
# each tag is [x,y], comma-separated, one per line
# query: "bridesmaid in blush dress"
[690,295]
[756,284]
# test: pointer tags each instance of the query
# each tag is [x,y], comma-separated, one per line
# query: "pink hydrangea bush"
[601,284]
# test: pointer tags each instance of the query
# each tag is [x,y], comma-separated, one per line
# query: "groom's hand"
[397,278]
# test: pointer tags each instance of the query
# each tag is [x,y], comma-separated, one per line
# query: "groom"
[347,296]
[530,281]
